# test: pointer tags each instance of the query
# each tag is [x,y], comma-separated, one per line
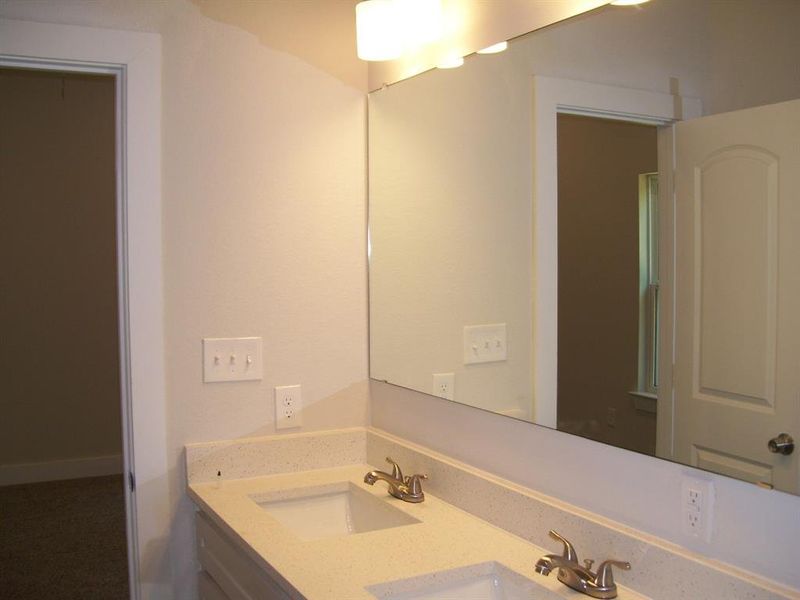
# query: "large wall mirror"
[598,230]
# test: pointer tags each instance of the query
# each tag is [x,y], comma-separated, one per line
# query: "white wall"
[264,235]
[264,218]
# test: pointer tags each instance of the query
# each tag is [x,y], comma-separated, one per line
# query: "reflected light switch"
[484,343]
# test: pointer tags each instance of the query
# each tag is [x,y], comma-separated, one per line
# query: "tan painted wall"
[58,357]
[599,163]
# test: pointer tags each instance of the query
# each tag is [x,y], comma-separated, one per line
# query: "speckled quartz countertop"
[343,567]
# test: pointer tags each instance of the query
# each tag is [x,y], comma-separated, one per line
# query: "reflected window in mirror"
[649,297]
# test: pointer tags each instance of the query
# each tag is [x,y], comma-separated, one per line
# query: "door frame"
[134,60]
[552,96]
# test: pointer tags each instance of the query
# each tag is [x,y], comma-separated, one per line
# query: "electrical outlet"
[693,521]
[694,498]
[444,385]
[697,501]
[288,406]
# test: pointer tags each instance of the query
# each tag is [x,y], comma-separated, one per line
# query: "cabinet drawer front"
[208,588]
[238,576]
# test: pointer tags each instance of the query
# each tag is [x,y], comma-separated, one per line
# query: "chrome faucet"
[597,585]
[408,489]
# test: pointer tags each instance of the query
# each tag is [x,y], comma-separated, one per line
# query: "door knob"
[783,444]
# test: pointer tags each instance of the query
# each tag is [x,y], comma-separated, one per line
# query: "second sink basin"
[331,510]
[485,581]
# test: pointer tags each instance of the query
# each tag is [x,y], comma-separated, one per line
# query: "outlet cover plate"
[288,406]
[697,507]
[444,385]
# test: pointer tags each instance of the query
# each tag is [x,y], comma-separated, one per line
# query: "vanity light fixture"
[421,21]
[494,49]
[378,36]
[385,29]
[628,2]
[450,62]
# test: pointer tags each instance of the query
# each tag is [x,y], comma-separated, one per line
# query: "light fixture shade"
[628,2]
[422,21]
[494,49]
[378,30]
[451,61]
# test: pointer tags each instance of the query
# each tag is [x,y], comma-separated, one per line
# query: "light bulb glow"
[378,35]
[628,2]
[450,62]
[421,21]
[494,49]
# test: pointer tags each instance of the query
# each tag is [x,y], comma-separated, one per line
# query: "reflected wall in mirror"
[533,254]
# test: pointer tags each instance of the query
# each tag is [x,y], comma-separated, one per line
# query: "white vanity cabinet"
[228,573]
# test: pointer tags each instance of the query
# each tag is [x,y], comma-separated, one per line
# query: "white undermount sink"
[485,581]
[331,510]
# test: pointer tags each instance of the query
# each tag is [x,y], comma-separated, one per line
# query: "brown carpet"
[64,539]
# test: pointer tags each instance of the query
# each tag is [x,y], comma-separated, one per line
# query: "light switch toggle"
[242,361]
[485,343]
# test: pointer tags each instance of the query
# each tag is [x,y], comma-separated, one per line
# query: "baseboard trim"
[57,470]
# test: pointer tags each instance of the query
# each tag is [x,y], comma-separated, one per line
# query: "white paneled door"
[737,278]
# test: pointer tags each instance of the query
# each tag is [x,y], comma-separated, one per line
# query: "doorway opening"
[608,280]
[63,450]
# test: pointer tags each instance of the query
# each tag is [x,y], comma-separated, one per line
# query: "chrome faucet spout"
[578,577]
[567,569]
[408,489]
[549,562]
[374,476]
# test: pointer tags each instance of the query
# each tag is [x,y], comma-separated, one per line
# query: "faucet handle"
[605,576]
[569,550]
[414,484]
[396,472]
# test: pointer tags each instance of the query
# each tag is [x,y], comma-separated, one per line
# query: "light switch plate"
[484,343]
[232,359]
